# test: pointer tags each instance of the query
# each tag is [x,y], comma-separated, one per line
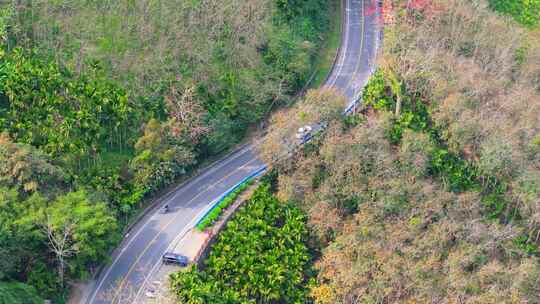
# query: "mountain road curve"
[141,250]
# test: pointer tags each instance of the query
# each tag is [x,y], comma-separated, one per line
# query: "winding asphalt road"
[140,252]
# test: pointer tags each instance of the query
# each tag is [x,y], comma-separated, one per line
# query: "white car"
[303,131]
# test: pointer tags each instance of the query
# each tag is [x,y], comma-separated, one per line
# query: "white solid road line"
[344,48]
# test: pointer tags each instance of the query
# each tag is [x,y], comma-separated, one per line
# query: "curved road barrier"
[224,195]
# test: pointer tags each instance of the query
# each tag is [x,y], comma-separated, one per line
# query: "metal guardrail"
[255,174]
[320,127]
[352,106]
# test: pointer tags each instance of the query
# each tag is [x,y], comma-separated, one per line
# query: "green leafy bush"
[526,12]
[225,202]
[376,93]
[527,245]
[455,172]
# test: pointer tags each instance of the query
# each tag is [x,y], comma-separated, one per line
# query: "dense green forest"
[104,103]
[18,293]
[260,257]
[431,192]
[526,12]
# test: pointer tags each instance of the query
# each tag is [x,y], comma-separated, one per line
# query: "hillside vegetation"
[260,257]
[431,193]
[105,103]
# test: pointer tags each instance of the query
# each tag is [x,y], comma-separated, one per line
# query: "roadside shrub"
[225,202]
